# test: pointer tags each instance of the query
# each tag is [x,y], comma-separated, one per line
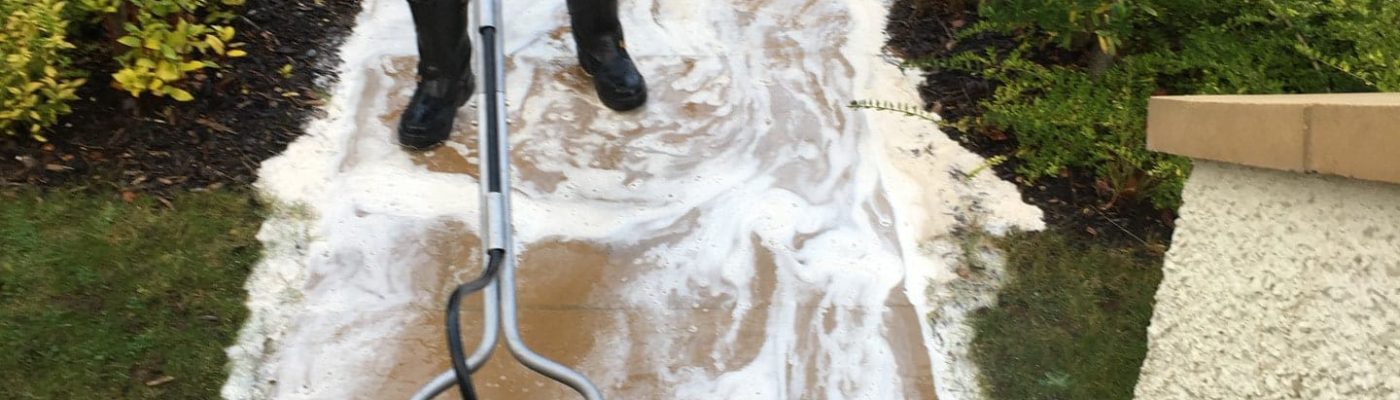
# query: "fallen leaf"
[55,167]
[1157,248]
[128,197]
[167,203]
[957,23]
[165,181]
[214,125]
[160,381]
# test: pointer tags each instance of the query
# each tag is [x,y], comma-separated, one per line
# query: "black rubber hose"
[493,178]
[491,102]
[454,327]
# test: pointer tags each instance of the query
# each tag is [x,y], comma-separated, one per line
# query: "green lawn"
[99,297]
[1070,323]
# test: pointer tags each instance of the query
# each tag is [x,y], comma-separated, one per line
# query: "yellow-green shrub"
[165,43]
[34,70]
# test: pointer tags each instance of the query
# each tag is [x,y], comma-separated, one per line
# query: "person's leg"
[603,54]
[444,72]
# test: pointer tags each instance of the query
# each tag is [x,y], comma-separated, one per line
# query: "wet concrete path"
[745,236]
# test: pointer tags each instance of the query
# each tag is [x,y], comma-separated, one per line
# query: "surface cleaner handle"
[492,132]
[494,147]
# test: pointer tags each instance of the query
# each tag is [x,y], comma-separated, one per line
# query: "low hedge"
[1088,113]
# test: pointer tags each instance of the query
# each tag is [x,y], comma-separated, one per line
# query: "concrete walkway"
[745,236]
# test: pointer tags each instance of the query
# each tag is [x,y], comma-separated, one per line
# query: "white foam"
[752,141]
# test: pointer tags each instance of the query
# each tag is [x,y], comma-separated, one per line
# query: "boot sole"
[626,103]
[622,104]
[420,143]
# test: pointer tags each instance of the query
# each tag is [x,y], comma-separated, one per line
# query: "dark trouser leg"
[595,24]
[603,54]
[444,70]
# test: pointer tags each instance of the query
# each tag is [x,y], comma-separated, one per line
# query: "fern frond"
[911,110]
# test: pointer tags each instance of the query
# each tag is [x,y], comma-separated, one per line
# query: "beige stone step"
[1355,135]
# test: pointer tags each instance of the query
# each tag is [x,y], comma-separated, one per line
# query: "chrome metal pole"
[494,156]
[539,363]
[490,19]
[490,333]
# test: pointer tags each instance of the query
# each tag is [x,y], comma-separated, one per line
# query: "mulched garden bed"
[236,121]
[1073,202]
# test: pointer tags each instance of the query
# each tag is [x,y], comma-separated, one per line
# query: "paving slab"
[745,236]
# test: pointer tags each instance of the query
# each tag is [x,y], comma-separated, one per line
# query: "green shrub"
[1090,114]
[1067,24]
[165,45]
[1064,118]
[1360,38]
[34,72]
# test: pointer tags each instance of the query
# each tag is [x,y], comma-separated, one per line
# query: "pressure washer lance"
[498,276]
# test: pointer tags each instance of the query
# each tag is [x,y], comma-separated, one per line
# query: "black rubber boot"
[444,70]
[602,53]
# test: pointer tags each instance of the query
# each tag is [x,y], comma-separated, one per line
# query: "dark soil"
[1074,201]
[242,115]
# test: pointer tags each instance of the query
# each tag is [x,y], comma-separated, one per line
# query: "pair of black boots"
[444,65]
